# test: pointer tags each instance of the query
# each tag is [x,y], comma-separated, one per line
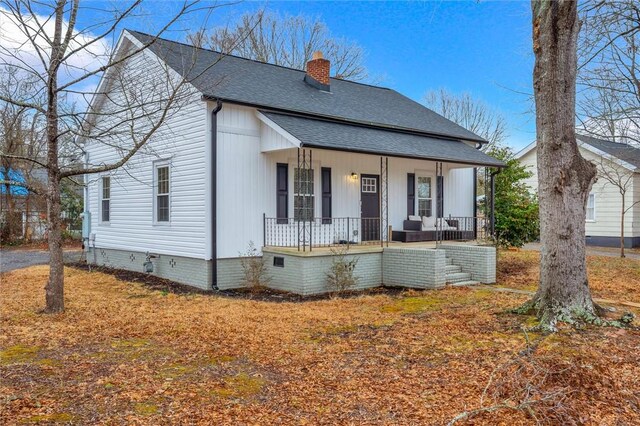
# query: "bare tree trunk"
[622,225]
[55,286]
[565,177]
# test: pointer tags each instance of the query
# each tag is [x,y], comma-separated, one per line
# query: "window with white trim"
[369,185]
[303,195]
[162,193]
[425,199]
[105,200]
[591,208]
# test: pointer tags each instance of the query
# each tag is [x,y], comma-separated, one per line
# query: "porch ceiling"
[324,134]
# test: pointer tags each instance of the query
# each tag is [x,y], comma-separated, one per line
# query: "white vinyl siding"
[184,140]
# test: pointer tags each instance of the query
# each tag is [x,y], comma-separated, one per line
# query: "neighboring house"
[291,161]
[604,205]
[22,213]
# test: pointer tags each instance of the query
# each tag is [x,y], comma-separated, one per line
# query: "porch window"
[105,203]
[425,201]
[162,193]
[303,196]
[591,208]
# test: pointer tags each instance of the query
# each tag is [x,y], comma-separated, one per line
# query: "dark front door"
[370,207]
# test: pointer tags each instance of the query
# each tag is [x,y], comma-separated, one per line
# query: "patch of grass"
[18,354]
[242,385]
[50,418]
[413,305]
[145,409]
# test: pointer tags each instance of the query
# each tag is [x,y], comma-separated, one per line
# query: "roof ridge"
[249,59]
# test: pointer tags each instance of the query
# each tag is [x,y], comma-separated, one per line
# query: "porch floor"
[365,248]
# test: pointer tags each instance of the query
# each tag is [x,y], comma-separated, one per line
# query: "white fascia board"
[524,151]
[282,132]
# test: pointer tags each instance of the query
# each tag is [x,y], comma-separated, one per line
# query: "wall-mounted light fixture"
[354,176]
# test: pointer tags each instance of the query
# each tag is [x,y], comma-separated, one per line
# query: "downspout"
[214,195]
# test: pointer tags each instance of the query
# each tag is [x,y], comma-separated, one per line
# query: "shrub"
[254,268]
[340,277]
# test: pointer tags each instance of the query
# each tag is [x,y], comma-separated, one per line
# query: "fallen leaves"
[123,353]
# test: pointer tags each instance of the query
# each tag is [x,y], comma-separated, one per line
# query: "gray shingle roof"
[622,151]
[326,134]
[270,86]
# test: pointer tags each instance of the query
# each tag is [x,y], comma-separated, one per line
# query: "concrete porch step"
[465,283]
[450,269]
[457,277]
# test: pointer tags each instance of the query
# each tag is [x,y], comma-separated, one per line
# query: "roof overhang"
[314,132]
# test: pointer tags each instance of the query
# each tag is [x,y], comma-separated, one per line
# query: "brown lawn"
[609,277]
[122,353]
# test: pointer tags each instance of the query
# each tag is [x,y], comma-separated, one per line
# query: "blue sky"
[483,48]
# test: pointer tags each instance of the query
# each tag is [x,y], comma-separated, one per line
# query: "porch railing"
[458,228]
[321,232]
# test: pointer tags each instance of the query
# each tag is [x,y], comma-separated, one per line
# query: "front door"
[370,207]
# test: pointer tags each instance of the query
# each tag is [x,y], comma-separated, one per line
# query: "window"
[105,208]
[591,208]
[424,196]
[162,193]
[369,185]
[303,199]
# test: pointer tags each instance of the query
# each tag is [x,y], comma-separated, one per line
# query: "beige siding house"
[604,207]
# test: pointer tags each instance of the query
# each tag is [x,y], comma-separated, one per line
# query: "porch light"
[354,176]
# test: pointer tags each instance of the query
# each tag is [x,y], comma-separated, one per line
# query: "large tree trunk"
[564,176]
[55,286]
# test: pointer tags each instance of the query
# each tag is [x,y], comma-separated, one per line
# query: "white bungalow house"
[604,206]
[293,162]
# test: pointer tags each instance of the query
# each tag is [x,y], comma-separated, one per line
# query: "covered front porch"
[330,199]
[341,186]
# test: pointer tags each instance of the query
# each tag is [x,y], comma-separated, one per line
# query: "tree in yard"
[564,176]
[615,172]
[289,41]
[64,49]
[470,113]
[516,209]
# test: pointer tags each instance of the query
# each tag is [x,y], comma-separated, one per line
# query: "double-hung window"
[105,200]
[162,192]
[425,200]
[303,196]
[591,208]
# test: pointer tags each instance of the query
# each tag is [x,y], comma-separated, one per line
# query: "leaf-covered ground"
[609,277]
[122,353]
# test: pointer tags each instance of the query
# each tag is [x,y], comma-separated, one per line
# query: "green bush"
[516,207]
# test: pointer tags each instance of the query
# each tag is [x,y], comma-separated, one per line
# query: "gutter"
[214,194]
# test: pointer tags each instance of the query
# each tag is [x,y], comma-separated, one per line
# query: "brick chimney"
[318,72]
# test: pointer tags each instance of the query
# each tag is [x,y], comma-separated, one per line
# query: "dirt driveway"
[11,259]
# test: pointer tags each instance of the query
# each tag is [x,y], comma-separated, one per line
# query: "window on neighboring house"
[162,193]
[303,198]
[105,208]
[425,200]
[591,207]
